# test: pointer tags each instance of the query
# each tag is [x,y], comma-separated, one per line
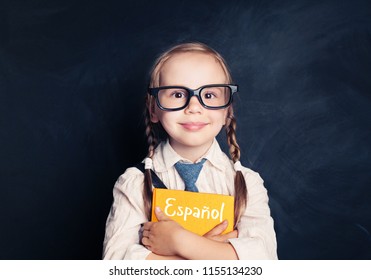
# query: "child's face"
[195,127]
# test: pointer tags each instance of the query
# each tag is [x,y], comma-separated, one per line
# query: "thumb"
[218,229]
[160,215]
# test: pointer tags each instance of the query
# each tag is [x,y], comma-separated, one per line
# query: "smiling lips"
[193,126]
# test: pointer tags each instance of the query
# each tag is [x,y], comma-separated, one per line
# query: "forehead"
[192,69]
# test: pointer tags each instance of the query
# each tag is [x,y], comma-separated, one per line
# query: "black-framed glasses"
[173,98]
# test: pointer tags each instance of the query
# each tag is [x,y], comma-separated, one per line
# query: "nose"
[194,105]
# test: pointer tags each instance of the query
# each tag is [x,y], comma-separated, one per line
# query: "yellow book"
[196,212]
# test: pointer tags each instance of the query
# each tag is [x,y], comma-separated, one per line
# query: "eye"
[209,95]
[178,94]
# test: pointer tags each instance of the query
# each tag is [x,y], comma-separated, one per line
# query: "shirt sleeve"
[256,236]
[122,237]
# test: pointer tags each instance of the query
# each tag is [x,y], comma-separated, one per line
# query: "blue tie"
[189,173]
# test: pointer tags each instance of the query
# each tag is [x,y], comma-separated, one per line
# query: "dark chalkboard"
[72,80]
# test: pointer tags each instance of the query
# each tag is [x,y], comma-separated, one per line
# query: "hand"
[216,233]
[160,237]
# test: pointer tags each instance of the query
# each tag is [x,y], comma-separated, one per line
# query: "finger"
[232,234]
[224,237]
[161,215]
[145,233]
[145,241]
[147,226]
[218,229]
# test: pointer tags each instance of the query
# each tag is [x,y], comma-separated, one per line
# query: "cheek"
[221,116]
[165,118]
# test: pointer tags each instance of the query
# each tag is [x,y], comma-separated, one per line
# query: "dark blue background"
[72,80]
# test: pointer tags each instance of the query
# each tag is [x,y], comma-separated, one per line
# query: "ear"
[154,117]
[152,112]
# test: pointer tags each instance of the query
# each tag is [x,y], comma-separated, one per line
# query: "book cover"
[196,212]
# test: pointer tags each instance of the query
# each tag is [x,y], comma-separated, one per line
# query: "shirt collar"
[165,157]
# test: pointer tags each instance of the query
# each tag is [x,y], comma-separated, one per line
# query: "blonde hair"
[153,130]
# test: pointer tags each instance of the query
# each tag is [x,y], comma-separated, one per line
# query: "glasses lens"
[216,96]
[173,98]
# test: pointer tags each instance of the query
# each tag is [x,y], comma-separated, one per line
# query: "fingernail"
[225,222]
[157,209]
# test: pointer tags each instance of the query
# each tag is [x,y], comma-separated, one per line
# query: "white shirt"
[256,236]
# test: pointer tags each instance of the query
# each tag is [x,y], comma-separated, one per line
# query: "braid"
[152,143]
[234,148]
[150,133]
[239,181]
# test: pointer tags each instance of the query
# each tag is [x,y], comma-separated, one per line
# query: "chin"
[194,143]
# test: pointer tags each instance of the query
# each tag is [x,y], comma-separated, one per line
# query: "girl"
[189,101]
